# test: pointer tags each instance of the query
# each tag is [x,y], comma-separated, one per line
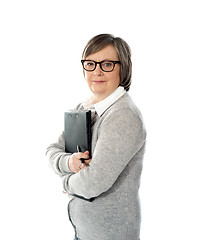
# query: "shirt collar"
[103,105]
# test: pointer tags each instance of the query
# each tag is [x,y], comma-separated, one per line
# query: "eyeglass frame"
[114,62]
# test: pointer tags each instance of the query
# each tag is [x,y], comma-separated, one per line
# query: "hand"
[75,164]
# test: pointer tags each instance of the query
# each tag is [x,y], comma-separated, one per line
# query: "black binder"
[77,130]
[78,134]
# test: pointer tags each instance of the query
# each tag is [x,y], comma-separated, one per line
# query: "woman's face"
[101,83]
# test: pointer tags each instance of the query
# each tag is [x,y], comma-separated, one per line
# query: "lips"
[98,81]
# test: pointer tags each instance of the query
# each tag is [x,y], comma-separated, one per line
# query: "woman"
[106,203]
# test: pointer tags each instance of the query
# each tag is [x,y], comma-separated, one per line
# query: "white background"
[41,76]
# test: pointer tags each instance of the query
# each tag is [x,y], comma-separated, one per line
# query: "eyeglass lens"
[106,66]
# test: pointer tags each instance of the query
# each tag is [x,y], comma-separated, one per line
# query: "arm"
[58,158]
[121,136]
[62,162]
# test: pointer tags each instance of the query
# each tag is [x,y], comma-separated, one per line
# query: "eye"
[89,64]
[107,64]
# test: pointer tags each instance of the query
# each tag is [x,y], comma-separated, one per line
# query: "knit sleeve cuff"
[63,164]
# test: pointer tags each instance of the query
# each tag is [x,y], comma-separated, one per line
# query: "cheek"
[115,77]
[118,76]
[87,76]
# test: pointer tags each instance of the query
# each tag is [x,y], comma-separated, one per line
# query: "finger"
[82,155]
[87,161]
[81,165]
[86,152]
[79,168]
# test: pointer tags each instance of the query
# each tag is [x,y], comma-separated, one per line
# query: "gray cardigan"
[113,177]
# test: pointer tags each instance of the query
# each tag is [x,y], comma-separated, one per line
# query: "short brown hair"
[123,50]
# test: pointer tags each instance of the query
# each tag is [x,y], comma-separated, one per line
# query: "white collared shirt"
[101,106]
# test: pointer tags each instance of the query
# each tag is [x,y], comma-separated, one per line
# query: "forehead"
[107,53]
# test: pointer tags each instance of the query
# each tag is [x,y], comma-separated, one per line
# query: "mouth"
[98,81]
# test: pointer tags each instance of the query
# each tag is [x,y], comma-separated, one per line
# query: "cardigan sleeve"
[121,136]
[58,158]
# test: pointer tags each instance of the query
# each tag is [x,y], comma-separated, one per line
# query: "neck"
[99,98]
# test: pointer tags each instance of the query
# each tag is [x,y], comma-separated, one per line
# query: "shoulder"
[123,108]
[123,115]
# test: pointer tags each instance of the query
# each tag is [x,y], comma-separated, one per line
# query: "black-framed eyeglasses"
[106,65]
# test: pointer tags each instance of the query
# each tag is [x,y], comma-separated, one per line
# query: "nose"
[98,71]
